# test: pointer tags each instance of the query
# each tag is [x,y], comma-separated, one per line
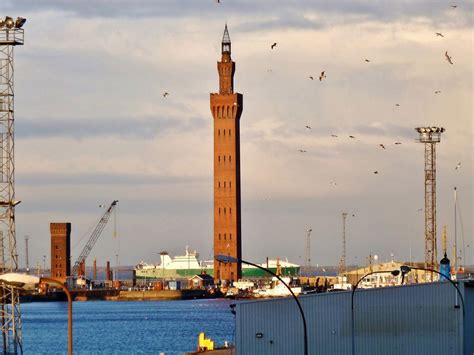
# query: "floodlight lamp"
[405,269]
[9,22]
[20,21]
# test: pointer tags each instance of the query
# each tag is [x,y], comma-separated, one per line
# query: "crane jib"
[93,239]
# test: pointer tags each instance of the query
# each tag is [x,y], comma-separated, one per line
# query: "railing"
[11,36]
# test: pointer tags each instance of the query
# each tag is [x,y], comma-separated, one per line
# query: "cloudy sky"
[92,124]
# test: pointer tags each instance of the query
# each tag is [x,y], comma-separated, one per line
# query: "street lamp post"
[229,259]
[393,272]
[27,282]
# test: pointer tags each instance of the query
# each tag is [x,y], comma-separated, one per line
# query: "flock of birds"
[323,76]
[381,145]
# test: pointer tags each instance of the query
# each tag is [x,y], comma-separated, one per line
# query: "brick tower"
[226,108]
[60,250]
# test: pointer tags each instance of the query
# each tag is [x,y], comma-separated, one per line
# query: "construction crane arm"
[93,238]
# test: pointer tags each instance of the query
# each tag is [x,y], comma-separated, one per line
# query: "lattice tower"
[342,263]
[10,315]
[430,136]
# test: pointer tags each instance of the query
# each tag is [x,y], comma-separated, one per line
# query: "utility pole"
[430,136]
[308,250]
[11,35]
[455,261]
[27,261]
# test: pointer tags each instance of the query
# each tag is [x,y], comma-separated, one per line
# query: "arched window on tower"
[229,133]
[224,184]
[219,158]
[230,159]
[218,132]
[224,132]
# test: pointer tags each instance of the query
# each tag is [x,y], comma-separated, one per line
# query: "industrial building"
[426,318]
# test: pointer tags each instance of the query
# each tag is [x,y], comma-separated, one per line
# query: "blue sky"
[92,124]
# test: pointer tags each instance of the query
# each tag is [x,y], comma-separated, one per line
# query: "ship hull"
[247,272]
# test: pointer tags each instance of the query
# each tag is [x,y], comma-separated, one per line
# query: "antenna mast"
[27,260]
[342,263]
[308,250]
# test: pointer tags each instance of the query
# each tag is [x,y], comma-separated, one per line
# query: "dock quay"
[118,295]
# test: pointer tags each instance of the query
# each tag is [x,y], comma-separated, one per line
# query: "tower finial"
[226,41]
[226,37]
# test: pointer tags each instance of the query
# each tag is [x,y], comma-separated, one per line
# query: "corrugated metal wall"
[469,318]
[414,319]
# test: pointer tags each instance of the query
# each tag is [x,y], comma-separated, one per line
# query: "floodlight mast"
[11,35]
[430,136]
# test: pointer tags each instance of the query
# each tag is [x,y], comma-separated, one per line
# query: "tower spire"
[226,41]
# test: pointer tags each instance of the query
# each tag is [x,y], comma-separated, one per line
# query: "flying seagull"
[322,76]
[376,172]
[334,135]
[398,105]
[454,6]
[311,78]
[398,143]
[439,34]
[383,146]
[301,151]
[457,166]
[367,60]
[308,127]
[165,94]
[352,137]
[448,58]
[273,45]
[438,92]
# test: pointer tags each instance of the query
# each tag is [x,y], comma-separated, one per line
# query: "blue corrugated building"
[413,319]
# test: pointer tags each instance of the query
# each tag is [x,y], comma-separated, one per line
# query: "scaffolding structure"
[11,35]
[430,136]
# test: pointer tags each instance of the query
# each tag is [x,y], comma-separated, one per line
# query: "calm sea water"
[102,327]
